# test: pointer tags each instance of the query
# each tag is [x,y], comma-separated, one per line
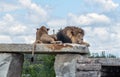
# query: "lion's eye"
[80,32]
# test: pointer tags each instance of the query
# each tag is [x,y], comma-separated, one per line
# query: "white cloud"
[104,38]
[17,29]
[87,19]
[116,29]
[5,23]
[9,25]
[57,22]
[88,31]
[101,33]
[6,7]
[35,18]
[72,19]
[38,11]
[11,30]
[28,39]
[97,35]
[105,4]
[26,3]
[35,13]
[5,39]
[8,18]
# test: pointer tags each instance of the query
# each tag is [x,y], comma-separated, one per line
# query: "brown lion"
[72,34]
[43,37]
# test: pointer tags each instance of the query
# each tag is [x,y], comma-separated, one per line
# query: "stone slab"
[45,48]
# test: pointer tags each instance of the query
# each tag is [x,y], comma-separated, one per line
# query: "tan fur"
[72,34]
[43,37]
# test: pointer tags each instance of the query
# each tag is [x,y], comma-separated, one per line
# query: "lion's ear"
[48,29]
[37,29]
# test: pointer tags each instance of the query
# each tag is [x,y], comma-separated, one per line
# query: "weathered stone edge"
[44,48]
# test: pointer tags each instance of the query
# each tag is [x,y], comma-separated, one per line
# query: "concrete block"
[88,67]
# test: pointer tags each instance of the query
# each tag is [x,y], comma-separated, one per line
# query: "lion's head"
[44,30]
[75,34]
[71,34]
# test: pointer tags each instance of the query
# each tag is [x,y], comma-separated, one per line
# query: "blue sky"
[99,18]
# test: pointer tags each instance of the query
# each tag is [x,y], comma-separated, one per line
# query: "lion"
[72,34]
[43,37]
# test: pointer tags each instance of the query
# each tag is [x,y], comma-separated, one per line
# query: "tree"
[43,66]
[102,55]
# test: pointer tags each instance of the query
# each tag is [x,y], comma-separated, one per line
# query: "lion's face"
[77,36]
[71,34]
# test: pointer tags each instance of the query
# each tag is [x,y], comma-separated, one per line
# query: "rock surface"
[75,65]
[11,64]
[65,65]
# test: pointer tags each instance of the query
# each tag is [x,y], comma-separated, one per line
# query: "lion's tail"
[33,51]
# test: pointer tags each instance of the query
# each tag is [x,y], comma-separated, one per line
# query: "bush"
[43,66]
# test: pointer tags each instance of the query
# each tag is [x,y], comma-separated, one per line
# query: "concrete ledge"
[44,48]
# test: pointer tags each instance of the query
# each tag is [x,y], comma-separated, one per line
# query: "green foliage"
[43,66]
[102,55]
